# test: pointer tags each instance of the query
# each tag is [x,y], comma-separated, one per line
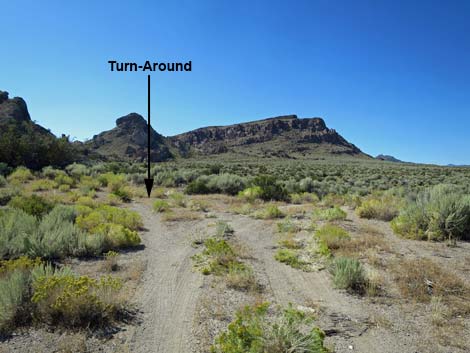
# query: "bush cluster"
[252,330]
[383,207]
[30,289]
[439,213]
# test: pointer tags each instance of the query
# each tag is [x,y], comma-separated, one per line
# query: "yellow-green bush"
[34,205]
[76,300]
[251,194]
[43,185]
[117,226]
[384,207]
[160,206]
[108,214]
[23,263]
[20,176]
[330,237]
[63,179]
[253,331]
[117,236]
[329,214]
[270,212]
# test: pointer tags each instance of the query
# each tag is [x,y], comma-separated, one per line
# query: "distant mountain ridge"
[284,136]
[388,158]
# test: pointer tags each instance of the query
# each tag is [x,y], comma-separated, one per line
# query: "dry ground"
[179,310]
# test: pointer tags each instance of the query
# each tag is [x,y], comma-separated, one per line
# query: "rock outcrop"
[128,141]
[283,136]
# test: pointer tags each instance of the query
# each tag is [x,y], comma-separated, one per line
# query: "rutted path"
[169,290]
[344,316]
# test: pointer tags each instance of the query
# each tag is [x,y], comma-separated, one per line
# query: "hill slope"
[23,142]
[283,136]
[128,141]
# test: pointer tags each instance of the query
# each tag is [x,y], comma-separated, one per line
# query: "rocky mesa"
[283,136]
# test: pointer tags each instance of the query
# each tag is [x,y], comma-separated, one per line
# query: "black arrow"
[148,181]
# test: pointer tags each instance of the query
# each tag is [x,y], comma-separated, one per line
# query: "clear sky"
[392,77]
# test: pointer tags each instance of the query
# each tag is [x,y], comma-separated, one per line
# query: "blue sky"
[392,77]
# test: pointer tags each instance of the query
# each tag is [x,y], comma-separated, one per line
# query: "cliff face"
[282,136]
[128,141]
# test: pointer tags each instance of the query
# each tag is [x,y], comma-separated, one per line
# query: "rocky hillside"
[283,136]
[128,141]
[23,142]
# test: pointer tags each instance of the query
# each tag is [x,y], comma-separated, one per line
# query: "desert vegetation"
[347,221]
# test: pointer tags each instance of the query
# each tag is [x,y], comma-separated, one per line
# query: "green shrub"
[76,301]
[20,176]
[216,257]
[287,226]
[226,183]
[329,214]
[34,205]
[7,194]
[251,194]
[15,227]
[289,257]
[3,181]
[177,199]
[160,206]
[77,170]
[89,219]
[50,172]
[270,188]
[241,277]
[22,263]
[348,274]
[330,237]
[385,208]
[253,331]
[124,193]
[63,179]
[117,236]
[43,184]
[198,186]
[439,213]
[270,212]
[14,290]
[303,198]
[223,229]
[55,236]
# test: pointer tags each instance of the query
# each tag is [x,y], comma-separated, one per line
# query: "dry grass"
[244,280]
[290,242]
[357,246]
[421,279]
[180,215]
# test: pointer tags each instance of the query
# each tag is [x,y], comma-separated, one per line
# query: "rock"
[283,136]
[128,141]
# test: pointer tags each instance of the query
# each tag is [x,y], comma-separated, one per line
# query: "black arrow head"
[149,185]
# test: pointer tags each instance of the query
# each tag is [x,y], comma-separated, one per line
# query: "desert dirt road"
[171,290]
